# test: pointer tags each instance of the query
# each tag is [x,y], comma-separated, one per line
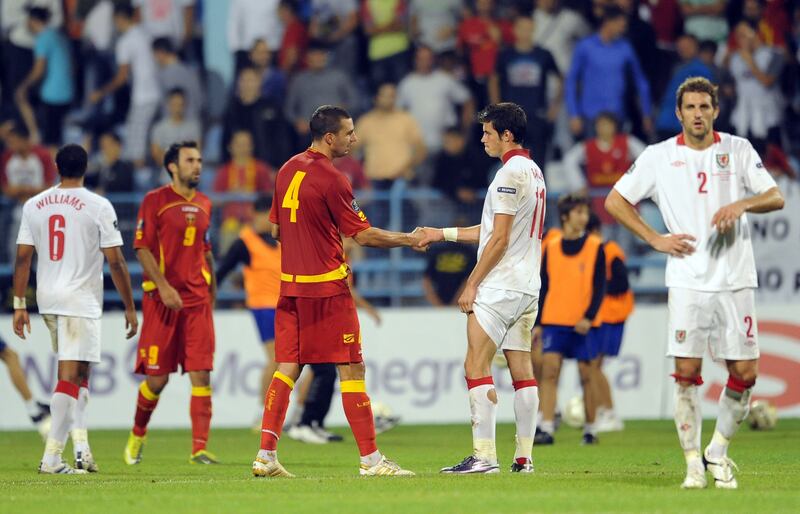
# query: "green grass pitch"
[638,470]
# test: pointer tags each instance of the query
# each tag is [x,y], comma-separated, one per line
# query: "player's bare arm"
[470,235]
[22,273]
[168,294]
[495,249]
[212,286]
[379,238]
[122,281]
[676,245]
[725,218]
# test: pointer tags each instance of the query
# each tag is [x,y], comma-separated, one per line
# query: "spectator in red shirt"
[242,174]
[481,36]
[25,168]
[291,56]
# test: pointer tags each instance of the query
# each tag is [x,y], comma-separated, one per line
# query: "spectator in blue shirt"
[687,46]
[596,81]
[53,67]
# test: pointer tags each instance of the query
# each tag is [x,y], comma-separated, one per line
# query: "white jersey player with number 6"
[501,295]
[703,183]
[71,229]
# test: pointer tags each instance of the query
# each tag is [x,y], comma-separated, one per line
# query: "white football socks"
[62,408]
[484,413]
[526,405]
[688,422]
[79,433]
[733,409]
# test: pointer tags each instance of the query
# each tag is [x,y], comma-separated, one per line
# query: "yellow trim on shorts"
[353,386]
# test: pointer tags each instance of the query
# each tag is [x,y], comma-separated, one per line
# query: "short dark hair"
[163,44]
[568,202]
[71,161]
[292,5]
[612,12]
[594,222]
[176,91]
[708,45]
[263,203]
[696,85]
[41,14]
[173,153]
[19,130]
[327,119]
[506,116]
[124,9]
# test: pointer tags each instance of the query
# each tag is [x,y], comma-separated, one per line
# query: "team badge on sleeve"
[357,210]
[140,229]
[509,190]
[680,336]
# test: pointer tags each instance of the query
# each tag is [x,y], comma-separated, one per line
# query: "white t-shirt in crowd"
[163,18]
[250,20]
[690,186]
[68,228]
[432,99]
[518,189]
[134,49]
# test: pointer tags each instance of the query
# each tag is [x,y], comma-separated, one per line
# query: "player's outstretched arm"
[379,238]
[461,234]
[168,294]
[676,245]
[122,281]
[22,273]
[770,200]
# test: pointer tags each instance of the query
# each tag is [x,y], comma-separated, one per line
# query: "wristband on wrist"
[450,234]
[20,303]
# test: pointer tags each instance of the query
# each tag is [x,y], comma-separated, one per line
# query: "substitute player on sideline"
[172,244]
[71,229]
[704,182]
[500,297]
[316,320]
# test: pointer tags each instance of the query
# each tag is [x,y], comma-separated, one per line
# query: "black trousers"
[320,394]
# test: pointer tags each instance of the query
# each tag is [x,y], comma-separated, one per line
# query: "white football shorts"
[724,322]
[506,316]
[73,338]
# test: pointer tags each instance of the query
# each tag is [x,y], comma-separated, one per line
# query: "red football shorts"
[170,338]
[317,330]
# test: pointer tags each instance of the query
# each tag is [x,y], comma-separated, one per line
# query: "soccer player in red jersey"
[179,289]
[316,320]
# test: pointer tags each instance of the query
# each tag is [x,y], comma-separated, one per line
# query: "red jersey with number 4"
[175,230]
[313,204]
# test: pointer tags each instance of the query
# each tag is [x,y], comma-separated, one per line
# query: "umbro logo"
[678,164]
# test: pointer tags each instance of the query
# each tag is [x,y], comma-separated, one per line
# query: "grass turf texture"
[638,470]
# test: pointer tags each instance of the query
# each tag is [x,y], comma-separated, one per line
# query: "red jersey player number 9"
[291,200]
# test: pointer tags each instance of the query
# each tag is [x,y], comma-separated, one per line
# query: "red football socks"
[358,410]
[145,405]
[276,403]
[200,412]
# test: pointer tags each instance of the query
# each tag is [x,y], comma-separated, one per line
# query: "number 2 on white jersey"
[291,199]
[538,213]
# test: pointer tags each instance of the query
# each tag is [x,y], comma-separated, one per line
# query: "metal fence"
[388,277]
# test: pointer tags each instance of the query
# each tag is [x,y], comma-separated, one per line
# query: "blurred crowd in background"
[597,79]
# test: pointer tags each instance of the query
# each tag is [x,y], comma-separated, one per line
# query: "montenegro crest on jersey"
[723,160]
